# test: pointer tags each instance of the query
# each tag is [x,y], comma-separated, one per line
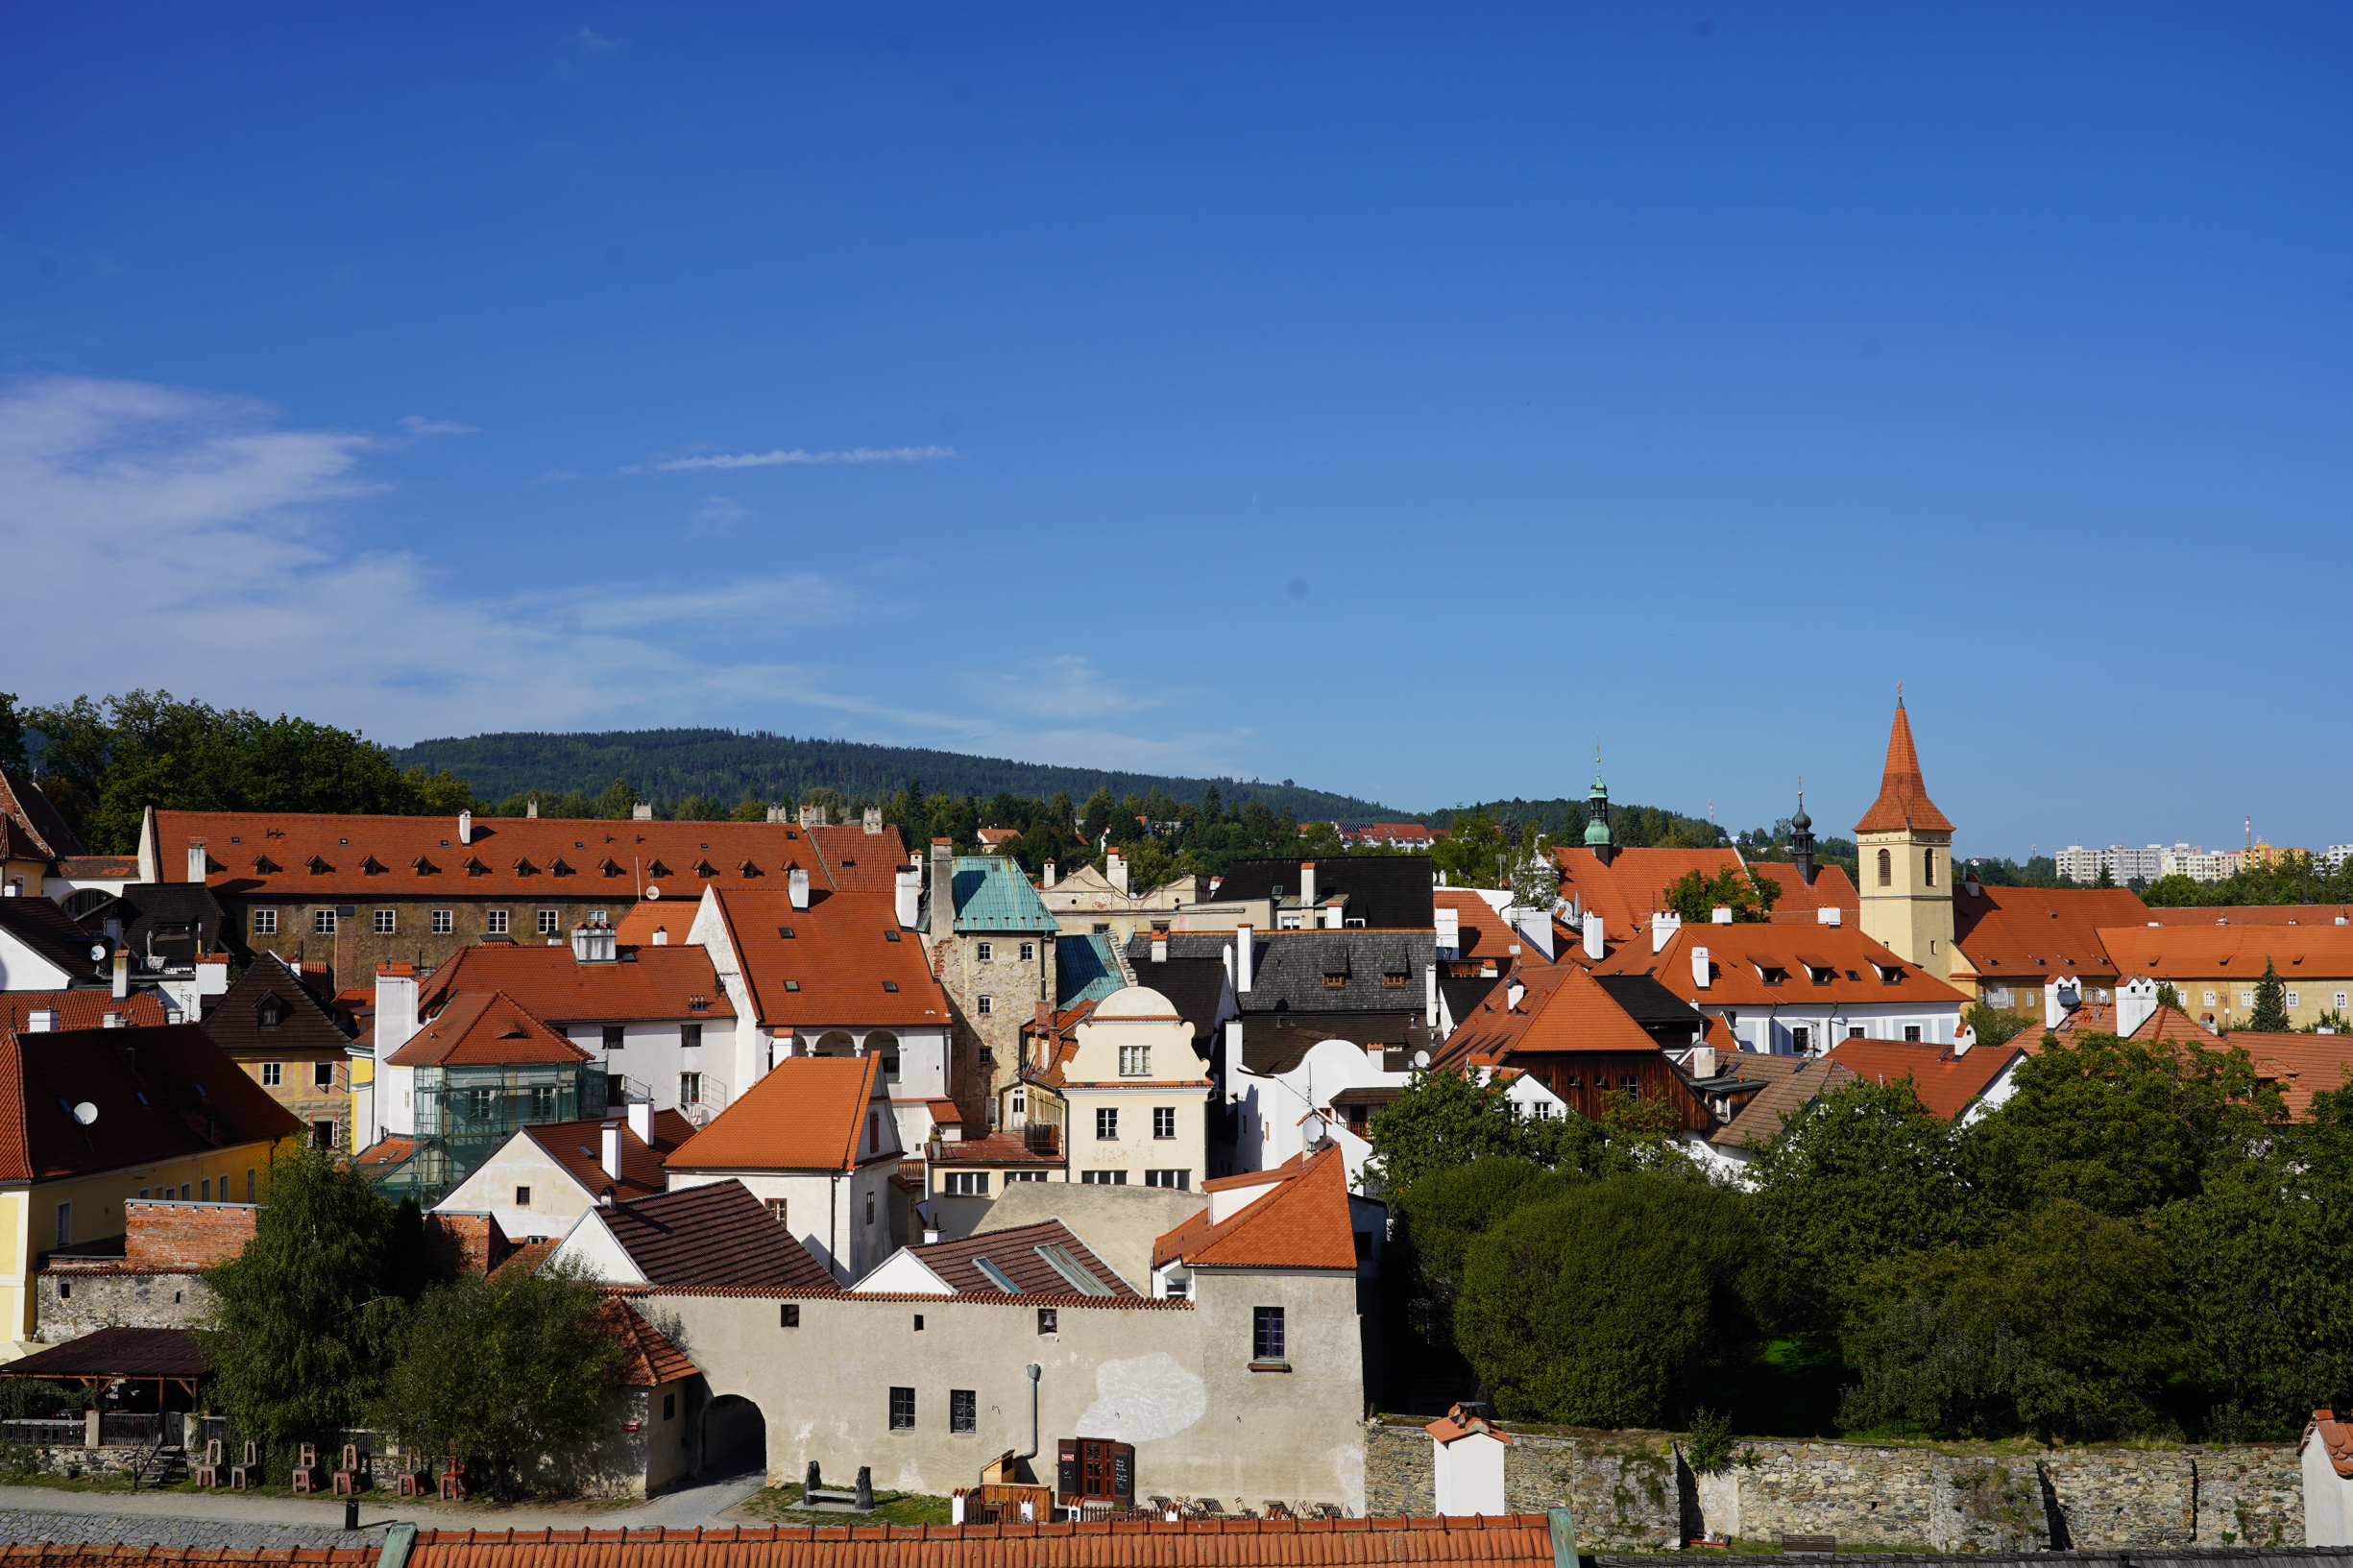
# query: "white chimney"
[2136,1003]
[1308,888]
[592,941]
[1662,929]
[1512,991]
[1720,915]
[612,1161]
[1046,878]
[1115,870]
[532,808]
[907,886]
[2060,997]
[1449,932]
[813,816]
[396,1008]
[1159,946]
[662,936]
[1827,915]
[41,1021]
[1534,928]
[641,1121]
[872,822]
[1699,968]
[1963,1041]
[1429,996]
[464,827]
[198,863]
[1244,958]
[1226,956]
[114,1021]
[1593,934]
[641,812]
[122,973]
[1233,1059]
[1702,1061]
[798,882]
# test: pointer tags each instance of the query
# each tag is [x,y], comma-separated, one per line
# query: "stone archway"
[735,1436]
[833,1043]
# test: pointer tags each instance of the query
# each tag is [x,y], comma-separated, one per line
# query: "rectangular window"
[542,1103]
[967,1183]
[689,1088]
[902,1409]
[988,1006]
[613,1036]
[1107,1122]
[1048,1321]
[265,923]
[66,1224]
[323,1074]
[522,1197]
[1801,1039]
[323,922]
[444,923]
[2340,1003]
[1181,1180]
[1136,1061]
[1854,1031]
[690,1035]
[323,1133]
[2295,998]
[788,1317]
[383,923]
[669,1406]
[1028,952]
[251,1190]
[964,1410]
[2209,999]
[273,1075]
[546,923]
[2247,999]
[203,1190]
[1266,1333]
[1025,1175]
[777,1209]
[495,922]
[1102,1178]
[1164,1122]
[1912,1031]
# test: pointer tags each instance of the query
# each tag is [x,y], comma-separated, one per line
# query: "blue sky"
[1396,399]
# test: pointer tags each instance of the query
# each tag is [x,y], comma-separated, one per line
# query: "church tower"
[1906,870]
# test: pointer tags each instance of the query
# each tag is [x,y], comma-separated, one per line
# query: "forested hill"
[671,764]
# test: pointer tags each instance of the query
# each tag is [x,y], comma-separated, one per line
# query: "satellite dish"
[98,952]
[85,1113]
[653,892]
[1422,1058]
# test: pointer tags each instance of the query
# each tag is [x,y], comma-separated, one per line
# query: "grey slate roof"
[175,920]
[1665,1015]
[303,1023]
[1195,986]
[50,932]
[1291,968]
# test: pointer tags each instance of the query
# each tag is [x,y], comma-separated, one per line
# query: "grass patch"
[375,1498]
[782,1506]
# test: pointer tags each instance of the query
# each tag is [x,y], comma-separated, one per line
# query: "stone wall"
[109,1300]
[1636,1489]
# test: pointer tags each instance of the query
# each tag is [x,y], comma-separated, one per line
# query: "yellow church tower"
[1905,871]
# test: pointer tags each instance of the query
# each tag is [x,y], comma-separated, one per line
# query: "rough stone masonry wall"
[1635,1490]
[152,1301]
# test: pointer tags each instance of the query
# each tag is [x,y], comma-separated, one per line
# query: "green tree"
[618,800]
[294,1321]
[2065,1325]
[508,1369]
[2168,996]
[751,808]
[1697,896]
[442,794]
[1604,1305]
[1994,1028]
[1443,1119]
[1439,1217]
[2270,1014]
[12,732]
[1857,1176]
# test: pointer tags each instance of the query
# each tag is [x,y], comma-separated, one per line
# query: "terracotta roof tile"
[1904,795]
[1303,1224]
[578,1146]
[1014,1254]
[82,1009]
[2306,952]
[1789,1083]
[2040,931]
[2336,1440]
[858,862]
[840,965]
[1627,888]
[717,1233]
[1946,1083]
[1562,1008]
[480,1027]
[549,983]
[808,1113]
[650,1358]
[158,1093]
[2249,914]
[996,1149]
[1741,956]
[2301,1065]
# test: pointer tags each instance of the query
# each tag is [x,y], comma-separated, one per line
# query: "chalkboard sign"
[1094,1470]
[1122,1473]
[1066,1469]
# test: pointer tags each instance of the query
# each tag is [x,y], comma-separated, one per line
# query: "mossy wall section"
[1634,1492]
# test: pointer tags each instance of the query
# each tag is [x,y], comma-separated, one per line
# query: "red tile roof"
[479,1028]
[808,1113]
[1738,954]
[1301,1224]
[2099,1018]
[2335,1438]
[653,983]
[997,1148]
[840,965]
[1628,887]
[578,1146]
[158,1092]
[2249,914]
[2301,953]
[81,1010]
[714,1234]
[1562,1010]
[1831,890]
[2301,1065]
[1947,1084]
[858,862]
[268,853]
[1459,1422]
[1904,795]
[1015,1253]
[1483,935]
[649,1357]
[2040,932]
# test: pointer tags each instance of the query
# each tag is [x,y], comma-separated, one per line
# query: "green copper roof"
[1085,967]
[1597,820]
[992,895]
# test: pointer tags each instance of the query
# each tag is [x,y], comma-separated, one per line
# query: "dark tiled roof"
[1273,1043]
[30,813]
[303,1023]
[1383,890]
[718,1234]
[171,920]
[117,1352]
[1015,1253]
[40,925]
[158,1093]
[1465,992]
[1195,985]
[1377,972]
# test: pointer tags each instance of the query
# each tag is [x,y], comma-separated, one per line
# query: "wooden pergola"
[167,1357]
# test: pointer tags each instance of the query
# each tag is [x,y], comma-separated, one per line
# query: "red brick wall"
[464,1243]
[185,1235]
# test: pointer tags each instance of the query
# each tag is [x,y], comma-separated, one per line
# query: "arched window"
[1887,868]
[1928,865]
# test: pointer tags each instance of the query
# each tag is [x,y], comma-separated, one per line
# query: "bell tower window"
[1887,869]
[1928,865]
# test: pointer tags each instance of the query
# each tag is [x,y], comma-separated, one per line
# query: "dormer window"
[1771,974]
[270,1013]
[1821,973]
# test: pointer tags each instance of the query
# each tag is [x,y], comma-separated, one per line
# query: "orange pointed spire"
[1904,795]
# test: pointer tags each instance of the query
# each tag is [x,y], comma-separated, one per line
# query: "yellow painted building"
[90,1118]
[1906,870]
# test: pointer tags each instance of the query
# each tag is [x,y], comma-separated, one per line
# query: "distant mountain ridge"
[671,764]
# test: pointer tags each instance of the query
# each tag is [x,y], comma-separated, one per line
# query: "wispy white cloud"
[417,425]
[720,513]
[775,459]
[589,41]
[1065,687]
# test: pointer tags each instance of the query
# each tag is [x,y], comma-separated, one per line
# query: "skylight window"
[997,1276]
[785,932]
[1058,1258]
[890,986]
